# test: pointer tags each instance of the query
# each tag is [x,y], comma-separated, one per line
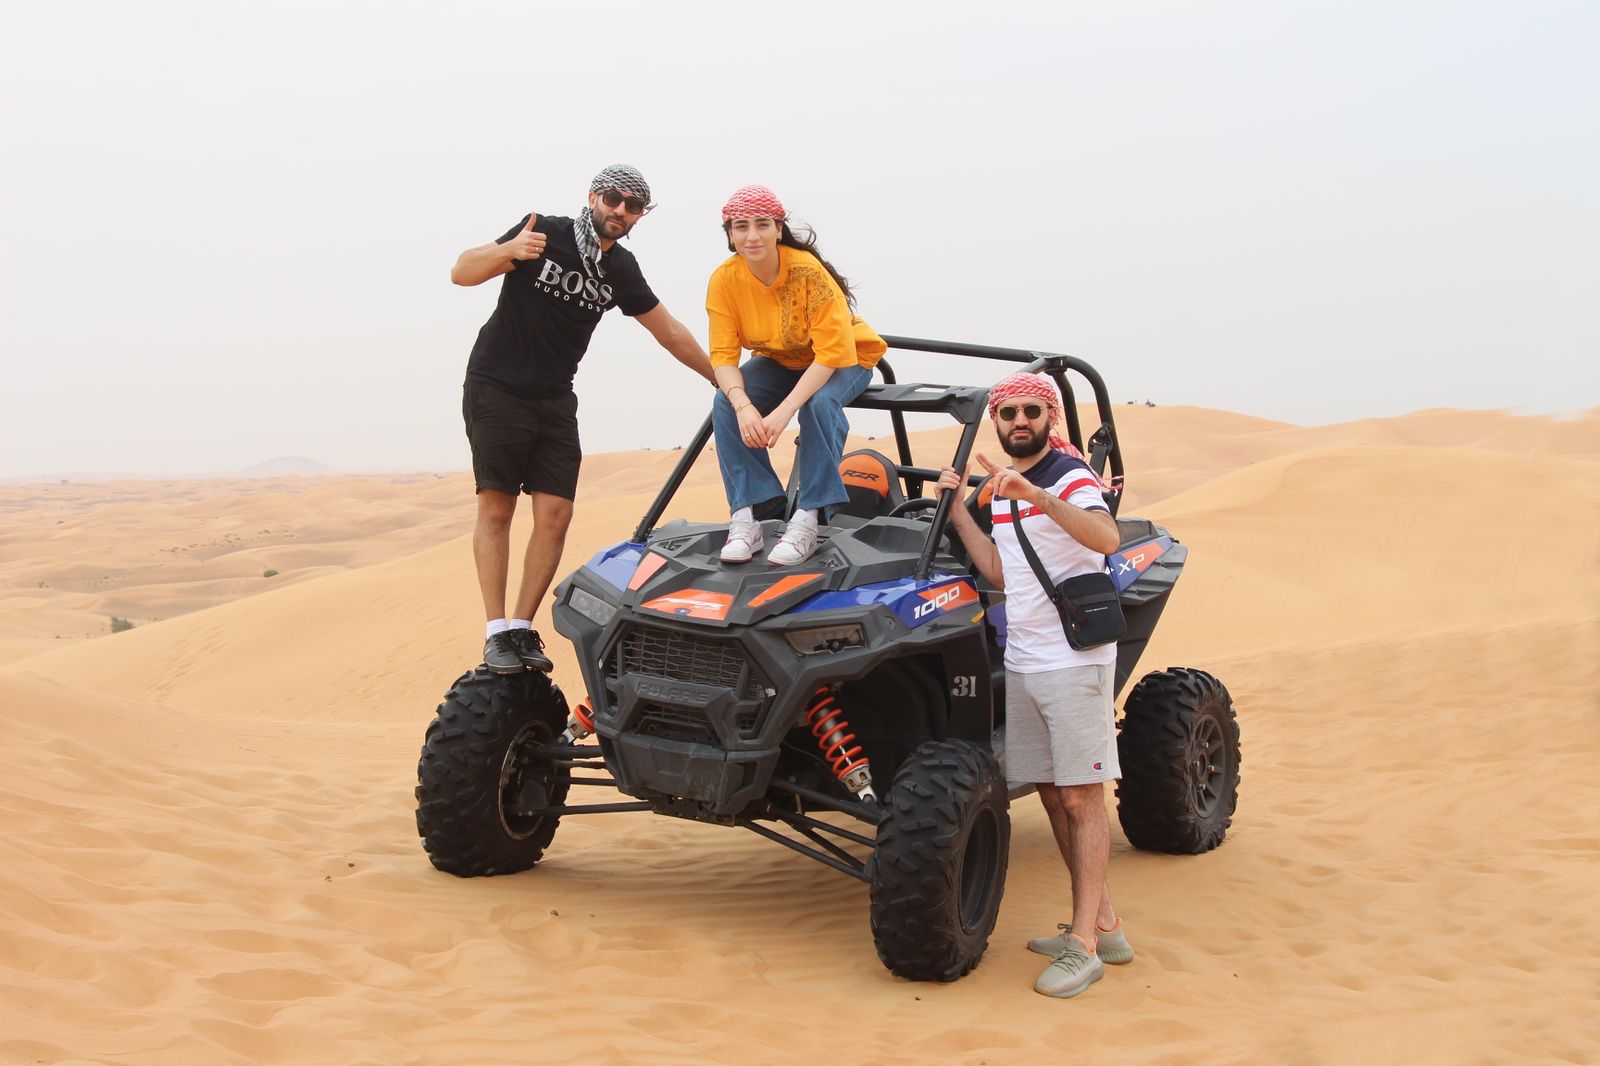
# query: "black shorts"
[521,445]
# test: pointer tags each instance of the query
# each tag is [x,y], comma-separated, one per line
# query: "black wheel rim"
[525,782]
[1208,765]
[978,861]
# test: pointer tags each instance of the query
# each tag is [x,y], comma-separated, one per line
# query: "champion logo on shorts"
[1097,766]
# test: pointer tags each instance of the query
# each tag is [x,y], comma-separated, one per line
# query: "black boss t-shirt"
[547,312]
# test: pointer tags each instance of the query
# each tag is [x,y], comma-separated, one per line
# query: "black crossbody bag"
[1090,610]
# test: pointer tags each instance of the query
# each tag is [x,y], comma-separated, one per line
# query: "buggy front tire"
[483,783]
[939,868]
[1179,749]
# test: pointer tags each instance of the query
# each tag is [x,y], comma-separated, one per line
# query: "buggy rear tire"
[482,782]
[939,869]
[1179,749]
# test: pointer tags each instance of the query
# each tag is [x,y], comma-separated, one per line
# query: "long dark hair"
[787,238]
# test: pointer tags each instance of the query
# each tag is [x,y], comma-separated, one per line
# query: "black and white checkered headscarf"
[618,176]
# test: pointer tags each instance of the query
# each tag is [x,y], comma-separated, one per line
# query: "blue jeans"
[747,473]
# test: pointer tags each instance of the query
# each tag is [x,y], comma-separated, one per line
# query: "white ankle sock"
[522,623]
[806,519]
[493,626]
[743,514]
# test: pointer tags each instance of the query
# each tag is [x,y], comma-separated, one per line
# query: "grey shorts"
[1061,727]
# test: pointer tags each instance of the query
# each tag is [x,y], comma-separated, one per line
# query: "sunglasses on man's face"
[1030,411]
[635,204]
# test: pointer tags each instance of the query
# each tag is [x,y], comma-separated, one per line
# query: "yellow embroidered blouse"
[803,318]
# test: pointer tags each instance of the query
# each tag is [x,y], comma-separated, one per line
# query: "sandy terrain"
[210,854]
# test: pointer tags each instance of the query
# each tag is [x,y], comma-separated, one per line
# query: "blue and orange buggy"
[866,681]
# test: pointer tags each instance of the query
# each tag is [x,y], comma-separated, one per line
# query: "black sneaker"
[530,649]
[501,655]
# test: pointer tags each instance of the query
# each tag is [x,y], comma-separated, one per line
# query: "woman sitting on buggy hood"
[777,298]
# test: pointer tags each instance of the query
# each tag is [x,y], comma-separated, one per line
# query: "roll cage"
[967,405]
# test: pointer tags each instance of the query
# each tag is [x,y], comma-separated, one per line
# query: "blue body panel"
[616,564]
[1127,564]
[902,596]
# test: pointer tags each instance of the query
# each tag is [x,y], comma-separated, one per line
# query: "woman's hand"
[778,421]
[752,429]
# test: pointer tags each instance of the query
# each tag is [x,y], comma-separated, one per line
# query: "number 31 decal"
[966,685]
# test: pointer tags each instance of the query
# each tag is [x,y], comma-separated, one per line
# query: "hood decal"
[692,603]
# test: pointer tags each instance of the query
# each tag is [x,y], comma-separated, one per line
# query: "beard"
[1022,448]
[604,224]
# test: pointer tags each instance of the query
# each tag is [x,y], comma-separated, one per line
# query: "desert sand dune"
[210,853]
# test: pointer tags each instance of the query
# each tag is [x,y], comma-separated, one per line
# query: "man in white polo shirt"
[1060,719]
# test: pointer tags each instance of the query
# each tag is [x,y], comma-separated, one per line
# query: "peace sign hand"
[527,244]
[1008,483]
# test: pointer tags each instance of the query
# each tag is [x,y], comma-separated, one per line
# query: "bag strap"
[1039,571]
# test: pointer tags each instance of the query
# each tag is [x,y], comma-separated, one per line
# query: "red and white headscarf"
[1023,385]
[754,201]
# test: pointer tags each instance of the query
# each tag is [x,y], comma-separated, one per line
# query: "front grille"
[702,660]
[685,657]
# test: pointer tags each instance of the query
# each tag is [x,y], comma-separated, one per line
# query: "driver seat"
[872,482]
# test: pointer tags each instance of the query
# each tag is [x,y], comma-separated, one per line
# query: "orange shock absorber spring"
[580,721]
[833,735]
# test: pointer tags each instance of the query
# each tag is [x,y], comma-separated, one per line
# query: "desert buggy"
[864,682]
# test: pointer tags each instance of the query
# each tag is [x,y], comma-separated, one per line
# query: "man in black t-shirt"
[560,275]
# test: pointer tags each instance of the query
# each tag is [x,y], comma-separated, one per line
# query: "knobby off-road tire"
[939,868]
[1179,749]
[481,783]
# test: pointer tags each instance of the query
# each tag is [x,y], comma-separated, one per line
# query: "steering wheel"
[916,503]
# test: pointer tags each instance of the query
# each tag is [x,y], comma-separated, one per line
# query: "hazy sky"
[228,227]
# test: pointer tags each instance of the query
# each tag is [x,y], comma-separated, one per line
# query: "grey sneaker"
[1113,947]
[500,654]
[1070,972]
[1051,945]
[530,649]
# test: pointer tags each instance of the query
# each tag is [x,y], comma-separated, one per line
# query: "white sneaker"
[798,542]
[744,540]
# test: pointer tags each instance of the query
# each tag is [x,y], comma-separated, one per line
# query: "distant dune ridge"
[286,465]
[281,466]
[210,854]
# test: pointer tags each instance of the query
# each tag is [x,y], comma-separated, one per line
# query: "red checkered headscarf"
[1034,387]
[753,201]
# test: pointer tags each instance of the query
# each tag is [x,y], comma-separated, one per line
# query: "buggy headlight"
[825,639]
[591,606]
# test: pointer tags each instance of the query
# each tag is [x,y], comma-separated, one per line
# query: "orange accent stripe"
[646,570]
[963,594]
[1143,556]
[782,588]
